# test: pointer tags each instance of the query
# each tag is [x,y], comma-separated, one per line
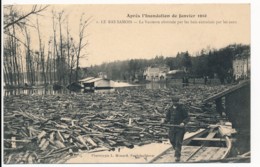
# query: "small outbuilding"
[235,103]
[97,83]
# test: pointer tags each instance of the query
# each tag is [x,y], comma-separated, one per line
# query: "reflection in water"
[156,85]
[39,91]
[98,91]
[50,91]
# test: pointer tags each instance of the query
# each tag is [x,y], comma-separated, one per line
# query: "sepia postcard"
[126,83]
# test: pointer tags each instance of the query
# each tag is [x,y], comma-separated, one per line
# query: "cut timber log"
[51,117]
[31,159]
[13,143]
[97,139]
[128,145]
[56,152]
[59,136]
[45,145]
[59,144]
[9,158]
[90,141]
[42,142]
[42,134]
[82,141]
[51,139]
[49,153]
[25,157]
[111,142]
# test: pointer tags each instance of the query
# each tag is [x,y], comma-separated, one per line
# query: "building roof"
[174,71]
[95,80]
[225,92]
[157,69]
[86,79]
[153,69]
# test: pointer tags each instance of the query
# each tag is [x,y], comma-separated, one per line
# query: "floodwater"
[49,90]
[38,91]
[116,85]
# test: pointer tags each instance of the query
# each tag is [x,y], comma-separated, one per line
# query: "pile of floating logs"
[44,128]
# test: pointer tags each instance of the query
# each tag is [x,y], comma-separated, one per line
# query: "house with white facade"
[241,65]
[156,73]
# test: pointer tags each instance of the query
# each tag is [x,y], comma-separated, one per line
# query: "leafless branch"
[11,35]
[34,10]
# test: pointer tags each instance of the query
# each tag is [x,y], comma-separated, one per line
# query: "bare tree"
[49,63]
[72,60]
[11,55]
[8,62]
[41,53]
[62,57]
[55,48]
[36,10]
[15,20]
[82,28]
[63,52]
[29,61]
[68,49]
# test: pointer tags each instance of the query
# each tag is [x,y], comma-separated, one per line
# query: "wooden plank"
[203,149]
[207,153]
[229,146]
[168,156]
[211,135]
[191,157]
[219,153]
[225,92]
[187,151]
[158,157]
[187,138]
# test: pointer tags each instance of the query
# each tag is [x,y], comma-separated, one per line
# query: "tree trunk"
[61,78]
[30,70]
[41,53]
[68,50]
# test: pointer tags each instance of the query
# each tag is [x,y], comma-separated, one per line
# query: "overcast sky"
[109,42]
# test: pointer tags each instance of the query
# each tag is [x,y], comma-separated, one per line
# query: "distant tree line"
[54,61]
[208,62]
